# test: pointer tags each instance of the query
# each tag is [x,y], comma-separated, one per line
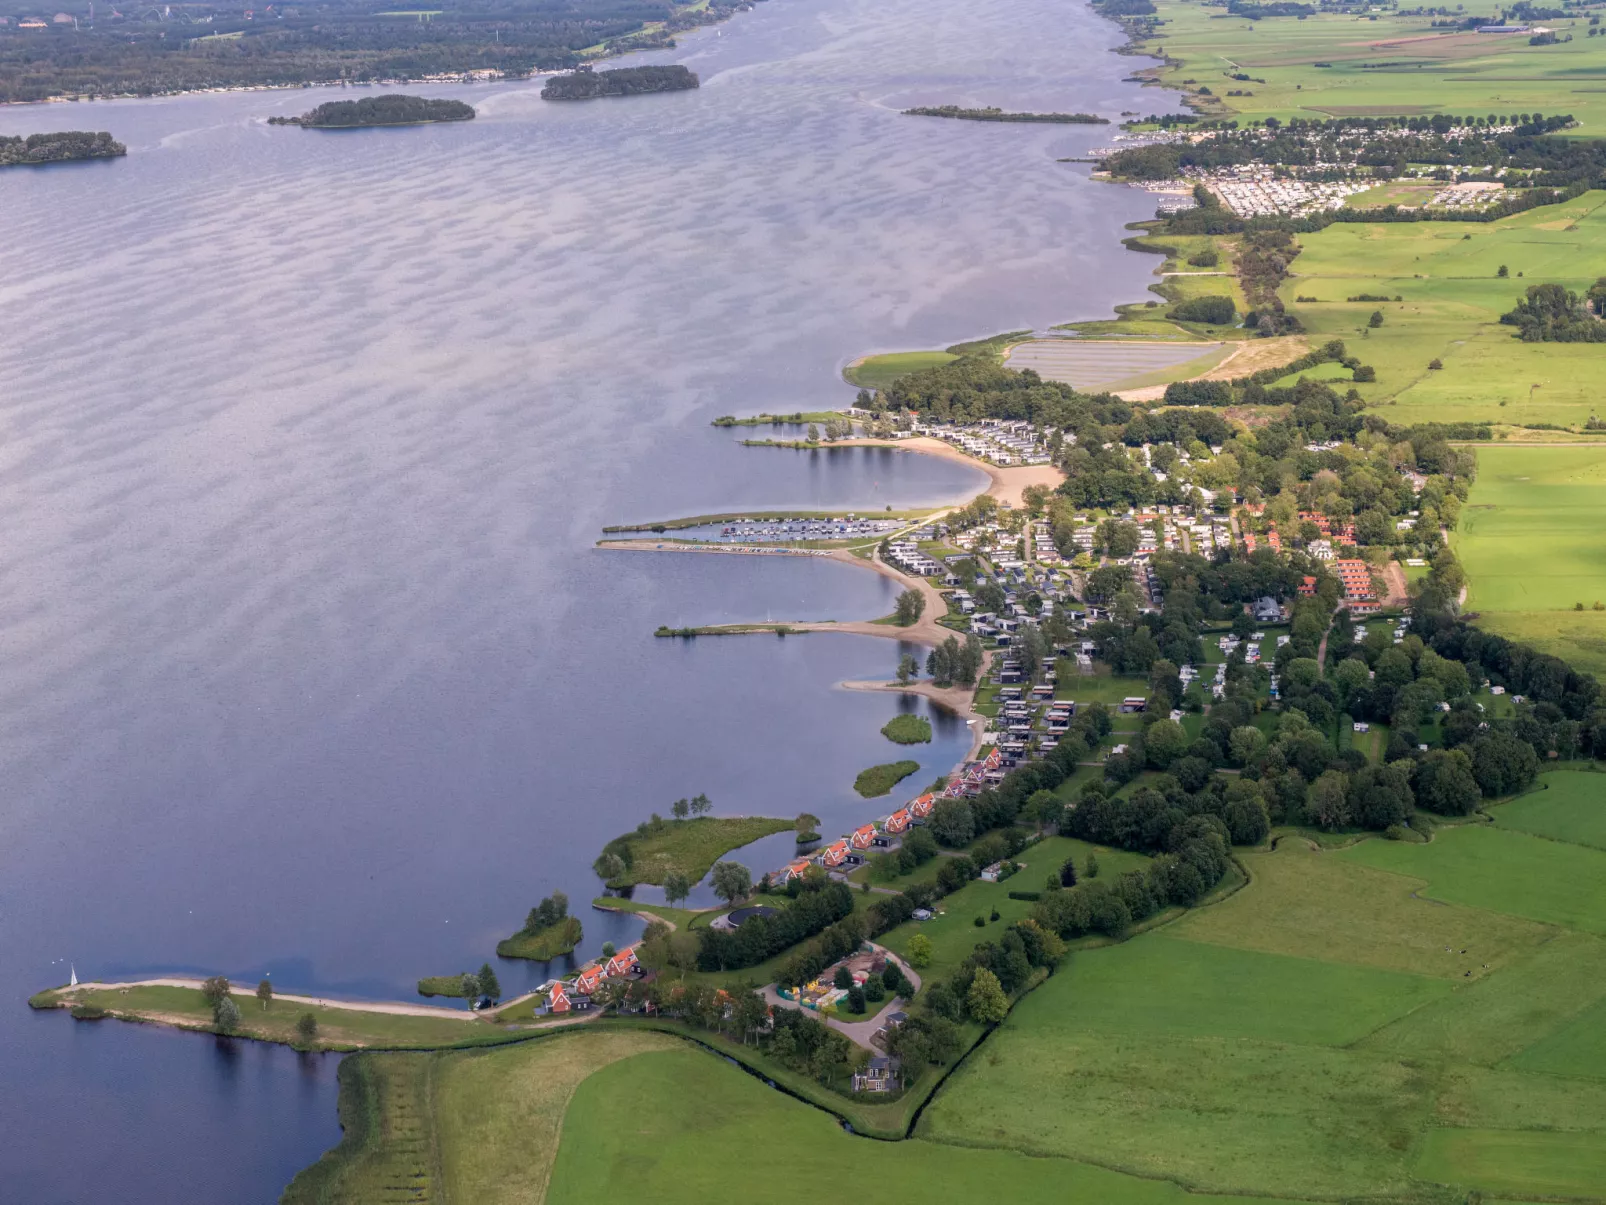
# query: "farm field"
[1452,298]
[1571,808]
[1096,364]
[1501,871]
[452,1127]
[1529,541]
[1352,1023]
[1378,64]
[628,1126]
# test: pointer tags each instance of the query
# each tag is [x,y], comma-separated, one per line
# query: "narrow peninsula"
[393,109]
[63,147]
[586,84]
[954,111]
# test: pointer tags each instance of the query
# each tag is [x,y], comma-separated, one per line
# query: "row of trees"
[818,905]
[951,662]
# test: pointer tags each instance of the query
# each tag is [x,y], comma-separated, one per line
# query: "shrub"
[1029,896]
[88,1012]
[981,922]
[1435,364]
[1205,259]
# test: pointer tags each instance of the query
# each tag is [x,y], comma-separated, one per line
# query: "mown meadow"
[1529,540]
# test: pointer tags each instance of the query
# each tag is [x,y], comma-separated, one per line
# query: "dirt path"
[393,1007]
[1394,578]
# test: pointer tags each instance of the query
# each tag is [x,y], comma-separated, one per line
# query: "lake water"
[310,666]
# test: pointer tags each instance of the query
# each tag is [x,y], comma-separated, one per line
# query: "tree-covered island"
[63,147]
[392,109]
[959,114]
[586,84]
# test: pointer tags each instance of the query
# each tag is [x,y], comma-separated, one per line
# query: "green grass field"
[877,372]
[1452,301]
[1334,909]
[628,1127]
[693,846]
[456,1127]
[1529,534]
[1349,1024]
[1528,540]
[1508,872]
[1571,808]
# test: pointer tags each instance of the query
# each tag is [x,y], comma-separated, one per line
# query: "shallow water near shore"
[311,667]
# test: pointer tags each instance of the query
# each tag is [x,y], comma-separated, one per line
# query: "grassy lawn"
[627,1127]
[877,372]
[879,780]
[907,729]
[693,846]
[1570,806]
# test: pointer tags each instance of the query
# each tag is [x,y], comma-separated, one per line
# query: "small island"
[908,730]
[879,780]
[66,146]
[549,932]
[682,849]
[954,111]
[586,84]
[393,109]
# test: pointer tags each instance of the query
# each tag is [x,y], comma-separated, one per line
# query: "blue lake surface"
[310,664]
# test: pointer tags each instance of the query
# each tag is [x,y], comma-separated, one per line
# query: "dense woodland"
[586,84]
[202,45]
[392,110]
[61,147]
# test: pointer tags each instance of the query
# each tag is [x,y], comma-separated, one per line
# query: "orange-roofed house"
[558,1001]
[622,963]
[1356,578]
[834,854]
[795,870]
[1274,540]
[1307,588]
[586,982]
[864,836]
[898,821]
[921,808]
